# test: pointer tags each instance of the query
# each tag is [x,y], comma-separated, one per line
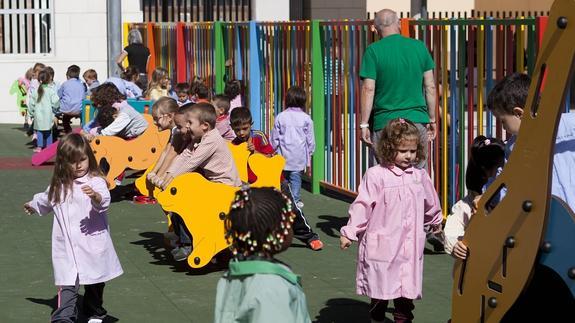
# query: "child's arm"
[276,133]
[39,204]
[117,125]
[189,160]
[432,207]
[360,210]
[98,193]
[55,101]
[309,136]
[455,228]
[169,157]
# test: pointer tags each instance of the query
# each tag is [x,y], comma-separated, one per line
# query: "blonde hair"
[158,75]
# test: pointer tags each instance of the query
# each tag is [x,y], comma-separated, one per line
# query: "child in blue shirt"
[71,93]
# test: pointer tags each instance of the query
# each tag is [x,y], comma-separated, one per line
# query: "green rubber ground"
[153,287]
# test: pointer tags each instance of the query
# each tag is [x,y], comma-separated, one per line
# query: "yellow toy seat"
[138,153]
[203,204]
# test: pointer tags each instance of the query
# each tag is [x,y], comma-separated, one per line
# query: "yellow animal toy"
[203,205]
[137,154]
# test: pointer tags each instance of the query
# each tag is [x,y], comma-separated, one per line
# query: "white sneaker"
[299,204]
[95,320]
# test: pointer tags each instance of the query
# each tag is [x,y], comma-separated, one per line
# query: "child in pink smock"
[82,249]
[394,203]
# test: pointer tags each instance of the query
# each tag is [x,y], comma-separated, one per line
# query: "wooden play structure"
[527,228]
[137,154]
[203,204]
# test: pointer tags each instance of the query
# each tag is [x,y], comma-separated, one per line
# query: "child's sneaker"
[181,253]
[316,245]
[96,319]
[299,204]
[37,149]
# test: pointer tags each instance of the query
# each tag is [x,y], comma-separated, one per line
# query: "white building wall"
[80,38]
[270,10]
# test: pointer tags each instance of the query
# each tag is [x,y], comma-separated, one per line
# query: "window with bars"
[26,26]
[196,10]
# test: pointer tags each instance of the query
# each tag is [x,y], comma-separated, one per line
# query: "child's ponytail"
[43,79]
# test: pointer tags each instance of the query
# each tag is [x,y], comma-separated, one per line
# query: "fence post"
[255,78]
[219,59]
[181,53]
[318,108]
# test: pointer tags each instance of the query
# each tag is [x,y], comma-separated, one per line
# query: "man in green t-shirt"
[395,71]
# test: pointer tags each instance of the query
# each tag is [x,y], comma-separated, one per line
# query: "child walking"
[43,102]
[258,287]
[387,218]
[258,142]
[82,249]
[293,138]
[487,155]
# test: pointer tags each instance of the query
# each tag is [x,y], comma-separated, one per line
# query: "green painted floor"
[156,289]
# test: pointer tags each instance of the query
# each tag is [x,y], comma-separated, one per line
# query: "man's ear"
[518,112]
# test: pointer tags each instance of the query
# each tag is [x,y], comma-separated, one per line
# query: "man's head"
[222,104]
[241,123]
[386,23]
[507,100]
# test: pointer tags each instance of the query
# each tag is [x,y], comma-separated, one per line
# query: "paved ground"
[154,288]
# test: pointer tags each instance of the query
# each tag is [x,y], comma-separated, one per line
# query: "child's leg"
[301,229]
[93,300]
[67,298]
[403,310]
[40,139]
[48,137]
[377,310]
[294,178]
[180,230]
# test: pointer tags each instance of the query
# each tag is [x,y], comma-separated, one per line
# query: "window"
[26,26]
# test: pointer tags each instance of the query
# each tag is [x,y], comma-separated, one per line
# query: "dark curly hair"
[259,216]
[106,115]
[396,131]
[106,95]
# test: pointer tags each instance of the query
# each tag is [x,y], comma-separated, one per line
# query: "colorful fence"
[325,57]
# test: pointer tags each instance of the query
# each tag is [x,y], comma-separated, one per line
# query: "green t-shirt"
[397,64]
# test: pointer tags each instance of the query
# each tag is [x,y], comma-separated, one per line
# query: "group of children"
[395,201]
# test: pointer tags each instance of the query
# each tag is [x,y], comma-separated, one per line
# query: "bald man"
[396,71]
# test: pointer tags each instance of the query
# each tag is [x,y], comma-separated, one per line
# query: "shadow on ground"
[154,243]
[344,310]
[53,304]
[331,224]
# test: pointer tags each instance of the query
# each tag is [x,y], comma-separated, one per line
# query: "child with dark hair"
[200,92]
[395,201]
[43,101]
[486,155]
[257,287]
[233,91]
[222,105]
[182,91]
[106,115]
[241,123]
[131,77]
[293,138]
[82,249]
[71,93]
[129,123]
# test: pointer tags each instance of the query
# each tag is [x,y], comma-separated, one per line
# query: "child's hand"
[89,136]
[150,176]
[29,210]
[475,203]
[164,182]
[251,146]
[344,243]
[95,196]
[460,250]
